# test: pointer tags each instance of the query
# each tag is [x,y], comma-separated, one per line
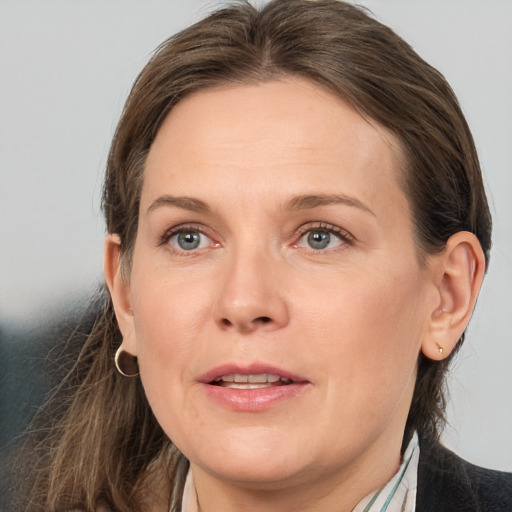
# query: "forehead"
[289,131]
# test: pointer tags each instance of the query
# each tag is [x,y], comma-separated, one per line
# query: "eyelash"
[345,237]
[184,228]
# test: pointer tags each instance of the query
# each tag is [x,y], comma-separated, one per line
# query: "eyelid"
[343,234]
[164,238]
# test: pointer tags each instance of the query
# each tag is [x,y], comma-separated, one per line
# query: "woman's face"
[278,303]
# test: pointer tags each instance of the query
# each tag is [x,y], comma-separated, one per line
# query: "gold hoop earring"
[126,364]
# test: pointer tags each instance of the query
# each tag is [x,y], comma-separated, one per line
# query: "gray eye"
[318,239]
[189,240]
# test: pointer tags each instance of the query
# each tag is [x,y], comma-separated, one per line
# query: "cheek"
[167,302]
[369,333]
[168,318]
[167,349]
[378,307]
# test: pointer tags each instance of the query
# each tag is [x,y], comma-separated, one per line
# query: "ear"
[459,271]
[119,288]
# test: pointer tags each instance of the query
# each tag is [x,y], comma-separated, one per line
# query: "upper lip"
[251,369]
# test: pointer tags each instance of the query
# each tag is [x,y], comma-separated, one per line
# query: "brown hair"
[105,445]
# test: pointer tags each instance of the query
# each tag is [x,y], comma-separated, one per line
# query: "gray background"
[65,70]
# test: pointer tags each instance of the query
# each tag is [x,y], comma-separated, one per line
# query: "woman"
[298,233]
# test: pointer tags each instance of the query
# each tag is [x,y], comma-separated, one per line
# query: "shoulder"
[448,483]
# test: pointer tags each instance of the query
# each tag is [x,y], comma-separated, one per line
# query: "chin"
[252,474]
[263,459]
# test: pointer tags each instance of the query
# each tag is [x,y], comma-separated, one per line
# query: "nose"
[251,296]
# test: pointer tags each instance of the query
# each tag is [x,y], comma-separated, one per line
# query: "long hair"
[103,446]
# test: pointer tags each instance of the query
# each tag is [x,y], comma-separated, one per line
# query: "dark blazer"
[447,483]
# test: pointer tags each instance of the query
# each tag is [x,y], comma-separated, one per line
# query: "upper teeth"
[260,378]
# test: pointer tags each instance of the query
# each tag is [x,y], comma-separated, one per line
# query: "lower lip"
[253,400]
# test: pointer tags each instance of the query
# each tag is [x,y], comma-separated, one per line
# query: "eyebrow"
[307,202]
[185,203]
[303,202]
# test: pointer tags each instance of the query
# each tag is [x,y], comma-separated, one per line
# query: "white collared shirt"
[399,494]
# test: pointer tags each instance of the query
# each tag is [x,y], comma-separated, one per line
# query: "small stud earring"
[440,349]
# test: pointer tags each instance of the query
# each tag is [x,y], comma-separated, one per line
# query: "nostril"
[259,320]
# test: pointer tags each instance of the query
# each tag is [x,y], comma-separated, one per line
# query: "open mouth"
[253,381]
